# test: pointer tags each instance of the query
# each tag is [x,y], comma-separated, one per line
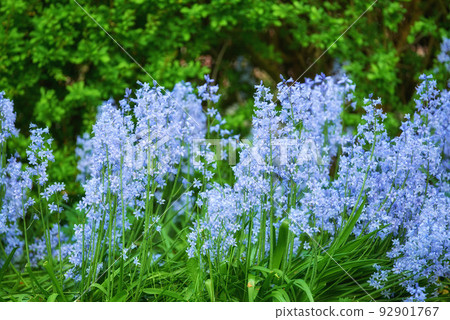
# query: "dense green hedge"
[58,65]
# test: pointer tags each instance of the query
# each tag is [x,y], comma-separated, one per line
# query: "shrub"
[57,64]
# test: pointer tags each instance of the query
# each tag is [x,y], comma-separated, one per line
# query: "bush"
[57,64]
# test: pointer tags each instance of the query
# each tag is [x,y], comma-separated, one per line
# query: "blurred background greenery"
[58,65]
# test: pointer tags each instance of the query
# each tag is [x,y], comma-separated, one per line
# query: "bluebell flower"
[7,119]
[53,207]
[444,55]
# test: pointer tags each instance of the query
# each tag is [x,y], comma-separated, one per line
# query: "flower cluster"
[292,147]
[136,150]
[399,183]
[20,205]
[7,119]
[14,184]
[302,166]
[38,249]
[444,56]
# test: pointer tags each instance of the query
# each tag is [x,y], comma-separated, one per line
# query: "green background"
[58,65]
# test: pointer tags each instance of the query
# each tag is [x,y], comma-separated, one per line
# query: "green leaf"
[163,292]
[348,228]
[100,287]
[52,297]
[282,244]
[210,288]
[279,295]
[120,296]
[33,278]
[6,264]
[54,281]
[251,286]
[304,286]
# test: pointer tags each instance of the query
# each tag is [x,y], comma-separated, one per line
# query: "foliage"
[57,64]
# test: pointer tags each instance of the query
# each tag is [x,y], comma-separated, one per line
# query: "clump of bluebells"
[275,167]
[28,200]
[8,176]
[135,167]
[132,166]
[151,170]
[302,168]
